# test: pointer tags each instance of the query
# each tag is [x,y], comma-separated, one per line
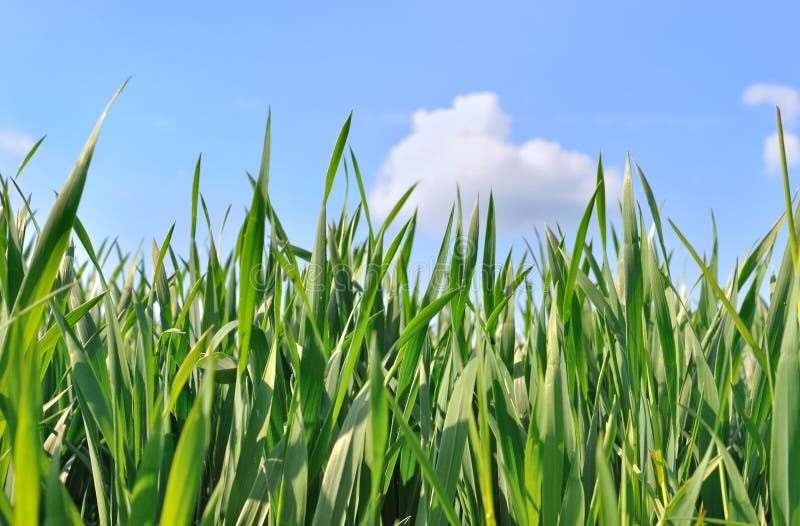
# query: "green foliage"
[286,385]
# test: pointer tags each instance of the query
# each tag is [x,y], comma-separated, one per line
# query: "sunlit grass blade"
[29,155]
[762,358]
[601,201]
[344,465]
[27,442]
[186,471]
[786,191]
[580,240]
[785,433]
[251,253]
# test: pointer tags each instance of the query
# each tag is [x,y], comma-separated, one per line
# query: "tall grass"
[283,385]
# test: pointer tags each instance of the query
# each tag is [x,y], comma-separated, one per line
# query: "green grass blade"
[51,245]
[186,472]
[336,158]
[580,241]
[606,495]
[786,191]
[27,443]
[785,436]
[600,201]
[763,359]
[28,156]
[251,253]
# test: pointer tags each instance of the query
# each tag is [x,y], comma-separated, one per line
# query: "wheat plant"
[331,385]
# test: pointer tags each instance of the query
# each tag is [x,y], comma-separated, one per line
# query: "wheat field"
[277,384]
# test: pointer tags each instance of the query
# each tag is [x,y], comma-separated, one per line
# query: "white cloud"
[785,97]
[467,145]
[788,99]
[15,142]
[772,152]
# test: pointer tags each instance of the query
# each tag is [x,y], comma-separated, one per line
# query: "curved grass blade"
[760,356]
[29,155]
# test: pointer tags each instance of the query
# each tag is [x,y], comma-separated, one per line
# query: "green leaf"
[29,155]
[49,250]
[488,270]
[760,356]
[784,479]
[182,375]
[363,193]
[186,472]
[452,442]
[251,253]
[291,505]
[144,502]
[412,440]
[600,201]
[632,281]
[379,426]
[27,443]
[786,191]
[580,241]
[59,506]
[555,424]
[344,465]
[336,158]
[681,509]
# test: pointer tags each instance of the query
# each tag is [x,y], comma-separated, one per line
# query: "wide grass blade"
[53,240]
[185,474]
[785,432]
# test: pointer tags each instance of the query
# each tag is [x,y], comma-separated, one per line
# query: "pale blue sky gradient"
[663,82]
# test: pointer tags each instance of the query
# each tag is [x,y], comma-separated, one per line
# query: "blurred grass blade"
[29,155]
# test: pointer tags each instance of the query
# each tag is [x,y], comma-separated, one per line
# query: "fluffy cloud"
[15,142]
[467,146]
[772,152]
[788,99]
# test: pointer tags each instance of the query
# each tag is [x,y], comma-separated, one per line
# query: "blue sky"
[511,95]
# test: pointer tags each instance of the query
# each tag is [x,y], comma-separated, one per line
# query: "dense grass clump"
[283,385]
